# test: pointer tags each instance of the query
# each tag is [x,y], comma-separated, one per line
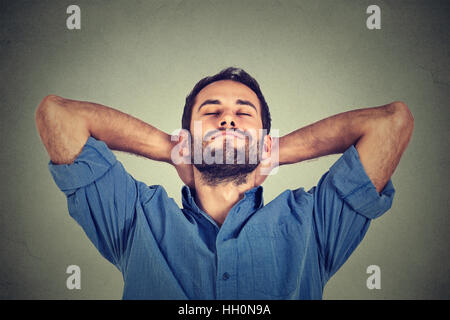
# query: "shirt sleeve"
[345,201]
[101,197]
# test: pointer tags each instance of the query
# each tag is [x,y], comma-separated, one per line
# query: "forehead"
[227,90]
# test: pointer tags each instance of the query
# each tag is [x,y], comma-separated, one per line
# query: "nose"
[227,121]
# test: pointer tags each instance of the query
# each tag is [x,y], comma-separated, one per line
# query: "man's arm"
[380,134]
[65,125]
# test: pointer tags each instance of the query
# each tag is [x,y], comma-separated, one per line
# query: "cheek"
[252,122]
[201,127]
[252,127]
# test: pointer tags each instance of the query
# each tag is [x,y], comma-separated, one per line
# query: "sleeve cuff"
[354,186]
[93,162]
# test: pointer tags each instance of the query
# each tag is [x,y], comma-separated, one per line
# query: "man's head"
[230,101]
[236,75]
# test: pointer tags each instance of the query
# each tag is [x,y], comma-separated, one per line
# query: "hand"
[263,170]
[185,171]
[270,159]
[186,174]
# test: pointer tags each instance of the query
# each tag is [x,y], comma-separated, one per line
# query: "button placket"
[226,269]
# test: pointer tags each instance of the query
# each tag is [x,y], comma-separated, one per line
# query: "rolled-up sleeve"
[345,201]
[101,197]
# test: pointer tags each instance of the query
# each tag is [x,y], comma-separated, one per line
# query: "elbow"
[47,110]
[47,104]
[402,118]
[400,115]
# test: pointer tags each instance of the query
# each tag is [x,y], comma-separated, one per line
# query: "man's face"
[224,117]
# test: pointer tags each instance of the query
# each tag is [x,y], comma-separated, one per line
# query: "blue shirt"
[286,249]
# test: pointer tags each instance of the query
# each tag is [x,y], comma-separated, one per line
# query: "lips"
[227,133]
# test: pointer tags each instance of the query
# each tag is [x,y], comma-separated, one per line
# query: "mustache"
[214,132]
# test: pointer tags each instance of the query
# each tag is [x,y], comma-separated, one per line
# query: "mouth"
[227,133]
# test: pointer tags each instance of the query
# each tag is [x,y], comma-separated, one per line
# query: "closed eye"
[211,113]
[243,114]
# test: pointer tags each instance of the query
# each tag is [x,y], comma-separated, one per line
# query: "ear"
[180,153]
[270,155]
[266,148]
[184,140]
[265,166]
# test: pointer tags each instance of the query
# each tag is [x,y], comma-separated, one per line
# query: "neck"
[218,199]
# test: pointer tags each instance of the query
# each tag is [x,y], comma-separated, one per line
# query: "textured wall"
[311,58]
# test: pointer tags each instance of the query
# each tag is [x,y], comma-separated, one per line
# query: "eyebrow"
[238,101]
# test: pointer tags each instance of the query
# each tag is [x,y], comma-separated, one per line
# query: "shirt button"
[225,276]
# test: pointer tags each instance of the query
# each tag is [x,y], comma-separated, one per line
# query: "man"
[224,243]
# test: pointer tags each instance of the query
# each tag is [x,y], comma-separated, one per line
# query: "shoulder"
[297,204]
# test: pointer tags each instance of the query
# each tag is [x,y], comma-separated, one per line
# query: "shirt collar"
[253,199]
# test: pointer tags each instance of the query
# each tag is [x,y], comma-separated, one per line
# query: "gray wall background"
[311,58]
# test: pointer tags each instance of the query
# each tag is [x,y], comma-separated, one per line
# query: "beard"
[225,162]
